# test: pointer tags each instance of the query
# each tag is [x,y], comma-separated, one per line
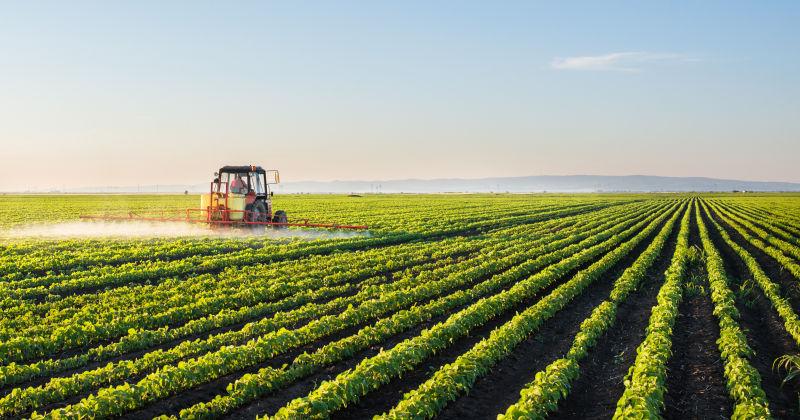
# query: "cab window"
[257,183]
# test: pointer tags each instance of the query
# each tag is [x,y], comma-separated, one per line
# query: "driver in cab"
[238,186]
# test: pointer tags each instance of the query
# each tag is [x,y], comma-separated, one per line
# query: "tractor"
[240,196]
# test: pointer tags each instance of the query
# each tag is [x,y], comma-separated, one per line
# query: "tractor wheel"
[258,213]
[280,217]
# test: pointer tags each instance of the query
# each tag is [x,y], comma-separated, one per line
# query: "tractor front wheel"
[280,217]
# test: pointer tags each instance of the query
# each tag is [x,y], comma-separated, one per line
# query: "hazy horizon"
[524,184]
[147,93]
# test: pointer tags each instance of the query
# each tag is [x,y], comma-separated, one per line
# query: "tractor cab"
[242,194]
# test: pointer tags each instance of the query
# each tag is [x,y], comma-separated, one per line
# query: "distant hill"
[544,183]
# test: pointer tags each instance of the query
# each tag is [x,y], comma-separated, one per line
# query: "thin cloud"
[631,61]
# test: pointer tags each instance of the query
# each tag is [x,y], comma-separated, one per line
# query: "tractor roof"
[242,169]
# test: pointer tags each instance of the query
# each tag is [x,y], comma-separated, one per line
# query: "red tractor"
[241,194]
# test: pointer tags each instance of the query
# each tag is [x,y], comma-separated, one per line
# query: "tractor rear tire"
[280,217]
[257,213]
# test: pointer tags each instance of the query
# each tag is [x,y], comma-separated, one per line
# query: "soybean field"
[449,306]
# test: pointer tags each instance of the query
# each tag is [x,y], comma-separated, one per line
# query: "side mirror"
[271,193]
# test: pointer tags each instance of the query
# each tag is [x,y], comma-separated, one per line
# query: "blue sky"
[164,92]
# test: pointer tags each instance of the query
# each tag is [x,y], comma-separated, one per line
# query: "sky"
[127,93]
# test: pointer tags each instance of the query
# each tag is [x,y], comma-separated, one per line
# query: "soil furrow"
[556,331]
[764,330]
[601,382]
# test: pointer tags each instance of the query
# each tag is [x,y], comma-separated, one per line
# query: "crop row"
[371,373]
[784,254]
[114,252]
[76,255]
[553,383]
[74,326]
[743,380]
[777,221]
[780,222]
[771,290]
[75,334]
[204,292]
[456,378]
[195,371]
[269,379]
[788,249]
[142,339]
[318,288]
[112,276]
[769,226]
[180,351]
[645,383]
